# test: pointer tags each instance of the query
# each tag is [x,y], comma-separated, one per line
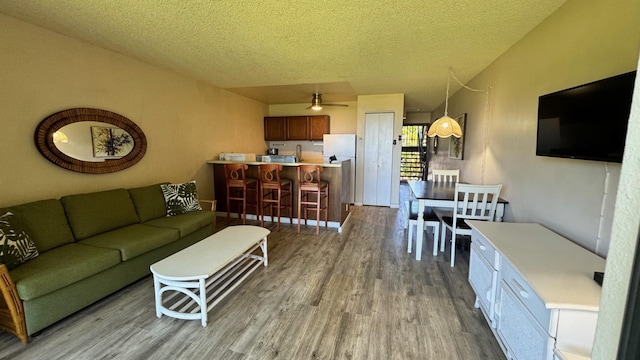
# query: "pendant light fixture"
[445,126]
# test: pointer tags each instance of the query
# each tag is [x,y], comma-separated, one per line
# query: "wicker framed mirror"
[104,142]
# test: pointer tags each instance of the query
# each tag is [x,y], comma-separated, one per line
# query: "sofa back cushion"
[149,202]
[45,222]
[94,213]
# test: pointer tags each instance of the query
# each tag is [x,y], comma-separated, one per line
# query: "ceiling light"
[445,126]
[316,102]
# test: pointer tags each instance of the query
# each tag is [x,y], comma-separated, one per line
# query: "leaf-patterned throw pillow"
[15,245]
[180,198]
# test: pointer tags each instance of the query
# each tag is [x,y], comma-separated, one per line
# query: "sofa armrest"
[11,309]
[213,204]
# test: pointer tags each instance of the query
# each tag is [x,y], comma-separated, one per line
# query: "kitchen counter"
[337,174]
[310,162]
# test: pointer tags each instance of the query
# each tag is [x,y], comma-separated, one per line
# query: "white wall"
[585,40]
[624,237]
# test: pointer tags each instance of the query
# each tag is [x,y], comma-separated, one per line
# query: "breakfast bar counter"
[337,174]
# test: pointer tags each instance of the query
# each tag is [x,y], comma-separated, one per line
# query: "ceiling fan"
[316,102]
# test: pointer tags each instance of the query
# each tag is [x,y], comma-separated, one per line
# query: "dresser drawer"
[485,249]
[483,279]
[520,333]
[525,294]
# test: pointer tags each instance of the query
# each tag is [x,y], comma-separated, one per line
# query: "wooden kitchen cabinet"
[318,126]
[275,128]
[296,127]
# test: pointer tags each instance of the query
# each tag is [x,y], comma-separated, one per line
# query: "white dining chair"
[430,221]
[445,175]
[471,202]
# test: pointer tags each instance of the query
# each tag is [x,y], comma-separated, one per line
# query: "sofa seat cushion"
[60,267]
[95,213]
[185,223]
[134,240]
[45,222]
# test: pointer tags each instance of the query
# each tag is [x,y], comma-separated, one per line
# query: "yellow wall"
[186,122]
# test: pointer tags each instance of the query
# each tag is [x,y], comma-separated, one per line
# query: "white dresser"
[536,289]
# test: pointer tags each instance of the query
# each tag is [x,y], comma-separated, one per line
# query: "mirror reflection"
[93,141]
[90,140]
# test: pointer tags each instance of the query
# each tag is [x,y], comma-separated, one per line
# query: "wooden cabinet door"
[298,128]
[318,126]
[275,128]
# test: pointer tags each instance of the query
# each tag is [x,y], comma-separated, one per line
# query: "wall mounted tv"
[586,122]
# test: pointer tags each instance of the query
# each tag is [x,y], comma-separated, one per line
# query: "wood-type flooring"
[350,295]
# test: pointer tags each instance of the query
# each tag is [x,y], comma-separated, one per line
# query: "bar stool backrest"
[235,174]
[309,177]
[270,174]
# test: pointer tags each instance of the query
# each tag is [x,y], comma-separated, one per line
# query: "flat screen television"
[586,122]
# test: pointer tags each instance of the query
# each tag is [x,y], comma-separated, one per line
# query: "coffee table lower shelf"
[191,297]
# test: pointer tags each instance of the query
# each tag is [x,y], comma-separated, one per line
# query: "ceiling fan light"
[445,127]
[316,102]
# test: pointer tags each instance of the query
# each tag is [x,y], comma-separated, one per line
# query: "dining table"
[439,195]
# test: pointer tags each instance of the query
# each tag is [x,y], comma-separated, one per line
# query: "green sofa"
[92,245]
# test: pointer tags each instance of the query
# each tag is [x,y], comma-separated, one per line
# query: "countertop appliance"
[342,147]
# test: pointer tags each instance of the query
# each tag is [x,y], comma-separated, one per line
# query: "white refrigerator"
[343,147]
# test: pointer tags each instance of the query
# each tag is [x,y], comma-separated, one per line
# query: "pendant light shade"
[445,126]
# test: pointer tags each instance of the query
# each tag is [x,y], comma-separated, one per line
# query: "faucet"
[299,153]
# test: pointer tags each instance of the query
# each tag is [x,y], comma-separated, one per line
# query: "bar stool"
[238,188]
[309,183]
[274,192]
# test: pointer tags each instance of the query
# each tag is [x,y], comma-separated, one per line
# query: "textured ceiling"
[281,51]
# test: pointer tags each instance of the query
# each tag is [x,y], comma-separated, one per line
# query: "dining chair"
[471,202]
[445,175]
[431,220]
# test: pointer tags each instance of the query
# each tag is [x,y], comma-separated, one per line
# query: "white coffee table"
[190,282]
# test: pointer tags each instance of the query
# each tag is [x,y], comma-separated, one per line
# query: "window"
[413,160]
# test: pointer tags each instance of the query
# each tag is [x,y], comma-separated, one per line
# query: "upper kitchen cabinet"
[318,126]
[296,127]
[275,128]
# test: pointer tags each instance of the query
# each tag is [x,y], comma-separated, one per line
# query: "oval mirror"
[90,141]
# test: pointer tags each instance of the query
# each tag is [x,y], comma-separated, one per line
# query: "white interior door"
[378,158]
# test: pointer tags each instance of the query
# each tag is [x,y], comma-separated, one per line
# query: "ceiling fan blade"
[345,105]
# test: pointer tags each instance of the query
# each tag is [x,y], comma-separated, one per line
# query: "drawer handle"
[520,289]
